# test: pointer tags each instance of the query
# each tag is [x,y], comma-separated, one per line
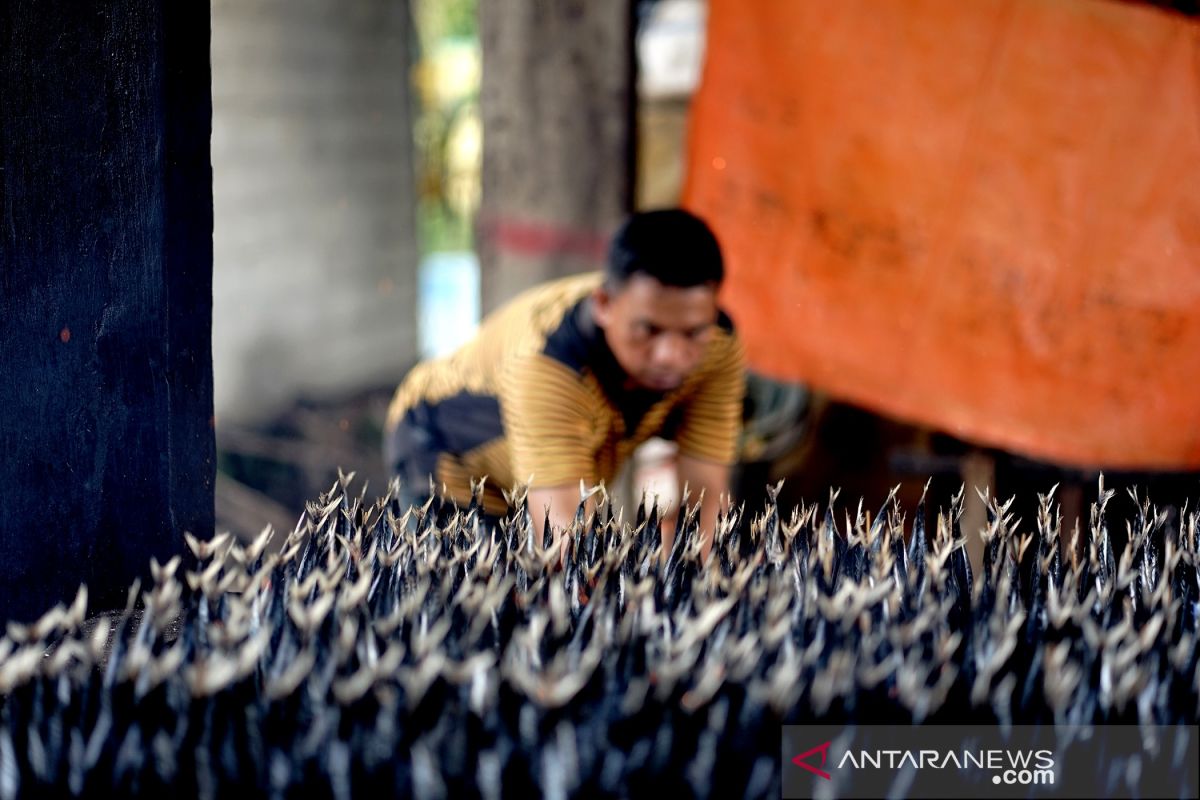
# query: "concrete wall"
[314,285]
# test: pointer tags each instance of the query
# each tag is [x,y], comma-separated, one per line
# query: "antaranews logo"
[984,761]
[968,765]
[801,760]
[1011,767]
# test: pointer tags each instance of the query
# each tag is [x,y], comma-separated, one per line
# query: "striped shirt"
[537,397]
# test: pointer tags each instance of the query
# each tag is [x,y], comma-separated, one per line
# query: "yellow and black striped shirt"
[538,396]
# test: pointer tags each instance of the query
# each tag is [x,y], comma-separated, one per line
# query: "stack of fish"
[417,652]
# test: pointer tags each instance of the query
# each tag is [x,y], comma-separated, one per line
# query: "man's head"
[658,303]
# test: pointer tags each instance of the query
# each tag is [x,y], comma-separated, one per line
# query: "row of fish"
[419,652]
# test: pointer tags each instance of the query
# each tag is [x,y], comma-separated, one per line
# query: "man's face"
[657,333]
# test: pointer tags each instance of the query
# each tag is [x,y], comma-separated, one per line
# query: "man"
[567,379]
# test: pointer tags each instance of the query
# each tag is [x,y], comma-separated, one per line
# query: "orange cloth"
[980,216]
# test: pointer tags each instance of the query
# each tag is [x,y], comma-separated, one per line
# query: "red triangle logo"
[823,749]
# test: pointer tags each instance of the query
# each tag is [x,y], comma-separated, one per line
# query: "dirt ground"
[266,473]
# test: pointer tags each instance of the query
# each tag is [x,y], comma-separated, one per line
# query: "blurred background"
[387,171]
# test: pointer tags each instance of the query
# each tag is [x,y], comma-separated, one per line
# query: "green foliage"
[436,20]
[442,26]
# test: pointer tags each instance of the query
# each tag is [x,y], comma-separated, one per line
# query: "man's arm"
[709,432]
[563,502]
[713,479]
[548,422]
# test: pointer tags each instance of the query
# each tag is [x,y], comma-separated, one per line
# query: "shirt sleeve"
[712,419]
[547,421]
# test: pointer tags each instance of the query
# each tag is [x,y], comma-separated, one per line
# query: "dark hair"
[673,246]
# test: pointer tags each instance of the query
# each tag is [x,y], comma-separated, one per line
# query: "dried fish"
[386,651]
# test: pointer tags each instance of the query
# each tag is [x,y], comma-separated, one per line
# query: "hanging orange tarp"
[981,216]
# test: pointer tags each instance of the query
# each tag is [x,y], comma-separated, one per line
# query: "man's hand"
[713,479]
[562,501]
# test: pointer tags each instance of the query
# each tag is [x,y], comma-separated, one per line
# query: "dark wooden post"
[106,441]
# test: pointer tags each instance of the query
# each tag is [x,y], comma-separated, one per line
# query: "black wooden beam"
[106,440]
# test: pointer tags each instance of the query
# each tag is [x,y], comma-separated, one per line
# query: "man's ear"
[601,306]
